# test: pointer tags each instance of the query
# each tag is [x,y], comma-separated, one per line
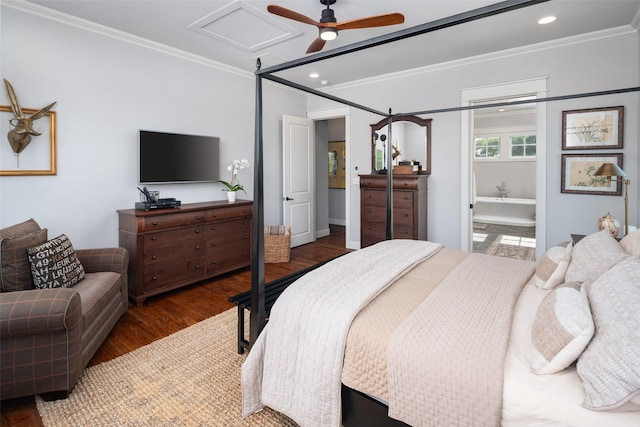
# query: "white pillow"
[610,365]
[561,330]
[552,267]
[593,255]
[631,243]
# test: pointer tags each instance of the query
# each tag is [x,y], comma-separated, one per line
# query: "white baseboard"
[322,233]
[336,221]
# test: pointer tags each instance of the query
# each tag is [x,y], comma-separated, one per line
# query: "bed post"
[258,316]
[389,166]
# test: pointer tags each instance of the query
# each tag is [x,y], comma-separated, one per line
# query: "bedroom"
[108,101]
[111,87]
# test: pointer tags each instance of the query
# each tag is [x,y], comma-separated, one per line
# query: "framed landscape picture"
[597,128]
[577,174]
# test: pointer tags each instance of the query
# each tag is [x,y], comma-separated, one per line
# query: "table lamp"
[610,170]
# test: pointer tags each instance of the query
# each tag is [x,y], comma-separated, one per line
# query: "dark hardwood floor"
[165,314]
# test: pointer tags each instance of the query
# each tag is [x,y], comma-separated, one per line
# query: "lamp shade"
[609,169]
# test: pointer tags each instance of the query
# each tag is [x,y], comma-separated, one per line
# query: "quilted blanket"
[296,362]
[459,336]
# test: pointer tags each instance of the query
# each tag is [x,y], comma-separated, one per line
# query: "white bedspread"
[295,364]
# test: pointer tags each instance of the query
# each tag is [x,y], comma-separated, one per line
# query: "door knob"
[288,198]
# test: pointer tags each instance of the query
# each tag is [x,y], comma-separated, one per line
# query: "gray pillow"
[610,365]
[15,271]
[592,256]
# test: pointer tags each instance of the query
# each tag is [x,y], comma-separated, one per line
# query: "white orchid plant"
[234,184]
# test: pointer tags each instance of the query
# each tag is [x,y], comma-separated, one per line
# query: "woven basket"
[277,247]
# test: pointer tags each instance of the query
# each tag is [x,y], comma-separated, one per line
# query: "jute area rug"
[190,378]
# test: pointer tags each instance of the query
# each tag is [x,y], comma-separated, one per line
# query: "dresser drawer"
[239,226]
[162,277]
[180,250]
[229,213]
[378,214]
[174,220]
[164,238]
[400,182]
[231,254]
[401,199]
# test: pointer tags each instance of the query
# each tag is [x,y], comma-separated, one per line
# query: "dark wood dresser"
[409,208]
[171,248]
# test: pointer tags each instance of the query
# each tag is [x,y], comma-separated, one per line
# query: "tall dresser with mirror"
[409,207]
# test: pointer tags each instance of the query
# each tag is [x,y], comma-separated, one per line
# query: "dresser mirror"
[411,137]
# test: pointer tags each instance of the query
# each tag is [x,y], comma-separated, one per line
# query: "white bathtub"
[505,211]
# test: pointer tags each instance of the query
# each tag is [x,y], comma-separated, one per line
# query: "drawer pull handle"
[197,267]
[155,223]
[154,238]
[198,217]
[406,215]
[197,248]
[245,237]
[154,257]
[213,262]
[197,230]
[154,278]
[369,211]
[213,227]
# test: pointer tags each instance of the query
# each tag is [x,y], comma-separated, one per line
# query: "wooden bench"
[272,291]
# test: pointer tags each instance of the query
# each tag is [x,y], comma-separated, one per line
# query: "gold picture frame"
[577,174]
[592,129]
[337,169]
[36,159]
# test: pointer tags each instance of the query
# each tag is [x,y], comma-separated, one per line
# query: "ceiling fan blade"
[290,14]
[316,46]
[372,21]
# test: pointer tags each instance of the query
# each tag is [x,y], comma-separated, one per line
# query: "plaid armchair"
[48,336]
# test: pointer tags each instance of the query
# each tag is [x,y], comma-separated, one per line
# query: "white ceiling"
[237,32]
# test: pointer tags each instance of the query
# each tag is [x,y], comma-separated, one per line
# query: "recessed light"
[546,20]
[314,75]
[502,110]
[324,82]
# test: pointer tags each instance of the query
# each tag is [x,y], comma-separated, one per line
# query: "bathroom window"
[487,147]
[523,145]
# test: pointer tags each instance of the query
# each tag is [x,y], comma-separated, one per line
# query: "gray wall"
[109,88]
[568,69]
[106,90]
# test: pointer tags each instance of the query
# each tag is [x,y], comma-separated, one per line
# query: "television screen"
[173,158]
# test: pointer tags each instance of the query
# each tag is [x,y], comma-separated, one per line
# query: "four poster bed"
[409,332]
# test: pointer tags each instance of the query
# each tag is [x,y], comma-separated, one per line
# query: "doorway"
[472,97]
[504,170]
[333,210]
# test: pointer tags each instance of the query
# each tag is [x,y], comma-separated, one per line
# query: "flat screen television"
[166,158]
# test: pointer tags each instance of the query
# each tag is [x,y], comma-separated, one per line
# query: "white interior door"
[298,192]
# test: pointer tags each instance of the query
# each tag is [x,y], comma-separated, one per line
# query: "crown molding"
[523,50]
[66,19]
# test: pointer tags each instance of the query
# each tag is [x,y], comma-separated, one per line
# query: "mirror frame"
[426,123]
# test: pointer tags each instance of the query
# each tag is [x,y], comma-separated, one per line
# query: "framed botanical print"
[577,174]
[597,128]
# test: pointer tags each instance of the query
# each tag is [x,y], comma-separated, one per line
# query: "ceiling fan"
[329,27]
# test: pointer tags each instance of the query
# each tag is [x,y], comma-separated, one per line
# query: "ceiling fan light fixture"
[328,33]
